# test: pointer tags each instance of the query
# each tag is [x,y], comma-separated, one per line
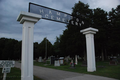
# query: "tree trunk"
[85,56]
[106,57]
[102,56]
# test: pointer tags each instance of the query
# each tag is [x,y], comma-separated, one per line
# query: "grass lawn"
[112,71]
[15,74]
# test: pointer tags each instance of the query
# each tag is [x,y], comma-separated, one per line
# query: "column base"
[27,78]
[91,69]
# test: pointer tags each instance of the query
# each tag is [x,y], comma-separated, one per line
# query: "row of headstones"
[53,60]
[58,61]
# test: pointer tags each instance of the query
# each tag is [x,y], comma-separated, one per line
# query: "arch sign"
[37,12]
[54,15]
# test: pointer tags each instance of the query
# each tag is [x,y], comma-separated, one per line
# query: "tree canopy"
[72,42]
[10,49]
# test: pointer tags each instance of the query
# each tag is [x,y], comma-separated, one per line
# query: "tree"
[2,45]
[36,50]
[8,50]
[72,42]
[56,47]
[114,24]
[42,48]
[100,22]
[17,50]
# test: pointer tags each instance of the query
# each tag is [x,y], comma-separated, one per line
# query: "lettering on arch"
[54,15]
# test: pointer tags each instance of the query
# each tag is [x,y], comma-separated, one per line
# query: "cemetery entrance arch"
[37,12]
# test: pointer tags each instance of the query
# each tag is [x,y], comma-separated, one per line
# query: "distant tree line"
[72,42]
[10,49]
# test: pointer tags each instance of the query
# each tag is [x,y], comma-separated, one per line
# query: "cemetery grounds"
[103,68]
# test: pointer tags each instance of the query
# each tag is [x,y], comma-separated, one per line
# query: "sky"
[10,9]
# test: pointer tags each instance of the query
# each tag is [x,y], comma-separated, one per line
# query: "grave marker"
[76,60]
[40,59]
[6,69]
[57,63]
[52,59]
[112,63]
[61,59]
[6,65]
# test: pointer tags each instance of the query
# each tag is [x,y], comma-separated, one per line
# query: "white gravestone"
[57,63]
[61,59]
[76,61]
[40,59]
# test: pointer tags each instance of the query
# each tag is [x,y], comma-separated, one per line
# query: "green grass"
[15,74]
[112,71]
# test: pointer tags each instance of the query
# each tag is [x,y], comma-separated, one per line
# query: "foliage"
[101,23]
[42,48]
[72,42]
[56,47]
[114,24]
[10,49]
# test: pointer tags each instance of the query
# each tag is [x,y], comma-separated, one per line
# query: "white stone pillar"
[76,61]
[89,33]
[28,20]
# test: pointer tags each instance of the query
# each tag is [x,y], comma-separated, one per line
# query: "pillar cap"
[89,30]
[27,16]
